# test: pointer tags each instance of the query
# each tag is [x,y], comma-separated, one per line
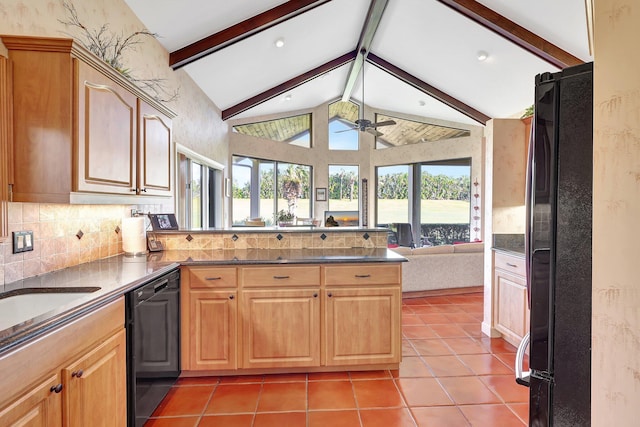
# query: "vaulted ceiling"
[420,57]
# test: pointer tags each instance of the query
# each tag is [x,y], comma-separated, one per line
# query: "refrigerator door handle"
[522,378]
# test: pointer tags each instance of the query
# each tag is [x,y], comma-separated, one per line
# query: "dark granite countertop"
[118,275]
[509,243]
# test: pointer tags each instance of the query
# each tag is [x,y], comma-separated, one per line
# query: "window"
[199,198]
[294,130]
[342,117]
[261,188]
[343,188]
[441,213]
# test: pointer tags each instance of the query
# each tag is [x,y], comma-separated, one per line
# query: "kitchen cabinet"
[82,129]
[357,297]
[6,130]
[280,316]
[511,314]
[272,318]
[74,375]
[209,325]
[94,385]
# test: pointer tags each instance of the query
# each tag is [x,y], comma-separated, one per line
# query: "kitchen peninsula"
[270,300]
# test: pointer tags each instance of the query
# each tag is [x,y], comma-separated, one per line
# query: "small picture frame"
[161,222]
[321,194]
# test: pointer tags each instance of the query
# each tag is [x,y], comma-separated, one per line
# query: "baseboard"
[441,292]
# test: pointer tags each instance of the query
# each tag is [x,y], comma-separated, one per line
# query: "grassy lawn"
[433,211]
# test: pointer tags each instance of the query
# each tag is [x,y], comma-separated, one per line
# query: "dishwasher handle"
[522,378]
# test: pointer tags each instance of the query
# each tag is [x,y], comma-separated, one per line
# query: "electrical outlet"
[22,241]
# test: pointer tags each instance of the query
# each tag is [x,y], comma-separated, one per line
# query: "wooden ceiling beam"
[247,28]
[374,16]
[428,89]
[288,85]
[513,32]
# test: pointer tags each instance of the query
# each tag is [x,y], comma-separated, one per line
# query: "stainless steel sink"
[21,305]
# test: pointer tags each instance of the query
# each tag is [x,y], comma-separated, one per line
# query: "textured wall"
[616,212]
[197,126]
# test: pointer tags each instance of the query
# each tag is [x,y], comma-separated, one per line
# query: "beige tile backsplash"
[55,243]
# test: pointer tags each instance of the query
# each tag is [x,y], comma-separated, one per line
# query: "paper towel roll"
[134,236]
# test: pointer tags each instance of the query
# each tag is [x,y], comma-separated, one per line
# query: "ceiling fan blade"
[373,132]
[345,130]
[385,123]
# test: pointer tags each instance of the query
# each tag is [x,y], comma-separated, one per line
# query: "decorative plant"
[109,47]
[528,112]
[284,216]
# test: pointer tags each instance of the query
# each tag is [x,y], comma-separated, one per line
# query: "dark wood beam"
[288,85]
[428,89]
[241,31]
[374,16]
[513,32]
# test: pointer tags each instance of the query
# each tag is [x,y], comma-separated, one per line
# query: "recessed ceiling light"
[482,55]
[422,103]
[287,97]
[279,42]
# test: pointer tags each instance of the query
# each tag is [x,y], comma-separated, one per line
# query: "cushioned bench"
[442,267]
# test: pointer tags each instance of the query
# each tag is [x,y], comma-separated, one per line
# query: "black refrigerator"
[558,250]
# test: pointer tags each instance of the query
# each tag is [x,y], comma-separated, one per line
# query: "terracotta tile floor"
[450,376]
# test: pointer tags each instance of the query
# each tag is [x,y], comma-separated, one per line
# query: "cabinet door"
[95,386]
[39,407]
[511,315]
[106,139]
[280,328]
[362,326]
[155,162]
[212,330]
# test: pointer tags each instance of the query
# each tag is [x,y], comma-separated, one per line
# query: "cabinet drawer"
[212,277]
[280,276]
[513,264]
[362,274]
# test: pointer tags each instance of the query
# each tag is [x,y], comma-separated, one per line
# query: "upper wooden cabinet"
[5,138]
[81,128]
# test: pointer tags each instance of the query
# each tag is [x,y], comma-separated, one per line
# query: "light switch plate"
[22,241]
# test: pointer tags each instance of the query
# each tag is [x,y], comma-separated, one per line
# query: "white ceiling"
[423,37]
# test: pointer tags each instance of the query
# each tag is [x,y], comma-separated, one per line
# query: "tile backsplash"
[56,245]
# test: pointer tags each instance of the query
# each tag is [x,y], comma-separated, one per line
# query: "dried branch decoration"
[109,47]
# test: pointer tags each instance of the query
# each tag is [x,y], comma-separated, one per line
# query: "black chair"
[405,234]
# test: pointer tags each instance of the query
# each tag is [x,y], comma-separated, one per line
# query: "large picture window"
[434,197]
[342,117]
[261,188]
[199,194]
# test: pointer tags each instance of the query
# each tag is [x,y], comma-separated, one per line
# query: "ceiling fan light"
[482,55]
[279,42]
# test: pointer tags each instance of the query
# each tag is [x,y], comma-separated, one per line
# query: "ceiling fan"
[365,125]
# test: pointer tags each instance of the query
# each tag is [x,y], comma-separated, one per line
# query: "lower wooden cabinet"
[72,376]
[362,326]
[213,333]
[94,385]
[38,407]
[265,318]
[281,328]
[511,314]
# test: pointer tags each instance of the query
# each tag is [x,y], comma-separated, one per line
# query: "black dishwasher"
[153,344]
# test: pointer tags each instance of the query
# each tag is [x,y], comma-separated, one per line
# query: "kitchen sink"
[20,305]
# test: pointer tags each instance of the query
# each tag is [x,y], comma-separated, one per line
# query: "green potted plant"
[284,218]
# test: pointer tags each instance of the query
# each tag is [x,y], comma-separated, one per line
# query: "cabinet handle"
[511,265]
[134,190]
[362,276]
[213,278]
[231,297]
[56,388]
[329,294]
[143,189]
[77,373]
[315,295]
[280,277]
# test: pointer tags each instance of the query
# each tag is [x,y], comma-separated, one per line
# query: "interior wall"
[616,211]
[198,126]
